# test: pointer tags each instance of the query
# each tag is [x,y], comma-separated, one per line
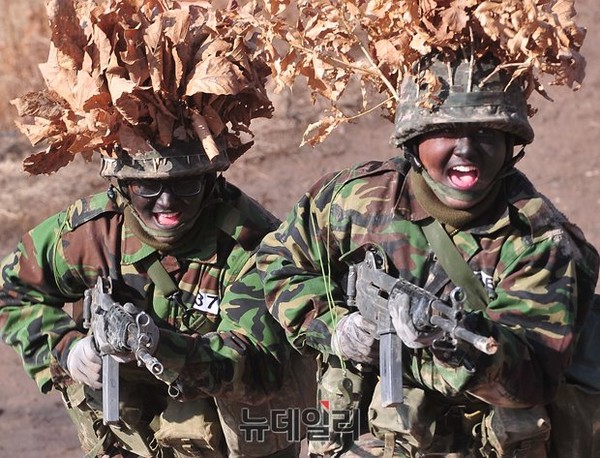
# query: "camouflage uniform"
[528,259]
[217,344]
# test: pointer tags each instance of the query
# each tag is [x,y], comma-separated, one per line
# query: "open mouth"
[167,220]
[463,177]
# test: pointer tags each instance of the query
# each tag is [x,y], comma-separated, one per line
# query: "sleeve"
[534,314]
[32,318]
[243,359]
[299,272]
[532,317]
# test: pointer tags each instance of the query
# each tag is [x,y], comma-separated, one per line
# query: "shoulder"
[546,222]
[74,216]
[89,208]
[532,207]
[370,175]
[241,217]
[368,170]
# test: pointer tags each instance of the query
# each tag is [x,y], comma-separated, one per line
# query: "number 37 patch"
[208,303]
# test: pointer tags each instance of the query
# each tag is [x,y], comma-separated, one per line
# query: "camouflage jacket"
[535,266]
[219,340]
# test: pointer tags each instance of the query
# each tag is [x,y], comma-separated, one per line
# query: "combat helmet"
[180,159]
[461,92]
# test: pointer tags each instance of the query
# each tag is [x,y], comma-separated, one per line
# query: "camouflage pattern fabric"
[535,266]
[216,340]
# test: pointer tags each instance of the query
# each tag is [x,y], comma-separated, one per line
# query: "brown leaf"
[48,161]
[326,41]
[235,148]
[59,80]
[134,70]
[41,130]
[42,104]
[134,59]
[454,18]
[132,140]
[213,120]
[318,131]
[215,76]
[67,36]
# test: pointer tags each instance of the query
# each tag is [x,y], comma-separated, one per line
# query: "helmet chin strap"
[509,167]
[410,152]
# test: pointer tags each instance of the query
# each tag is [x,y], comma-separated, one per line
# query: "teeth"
[463,168]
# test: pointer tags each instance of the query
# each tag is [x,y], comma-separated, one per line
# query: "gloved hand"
[84,363]
[402,320]
[355,339]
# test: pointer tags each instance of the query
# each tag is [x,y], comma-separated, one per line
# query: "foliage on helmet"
[379,42]
[137,75]
[180,159]
[440,95]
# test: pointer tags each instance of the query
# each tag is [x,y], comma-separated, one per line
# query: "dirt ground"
[563,162]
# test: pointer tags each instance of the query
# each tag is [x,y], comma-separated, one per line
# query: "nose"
[166,198]
[465,146]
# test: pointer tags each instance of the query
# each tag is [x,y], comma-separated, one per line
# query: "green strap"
[454,264]
[160,277]
[190,320]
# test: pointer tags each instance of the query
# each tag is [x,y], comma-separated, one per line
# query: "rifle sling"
[454,264]
[164,283]
[160,277]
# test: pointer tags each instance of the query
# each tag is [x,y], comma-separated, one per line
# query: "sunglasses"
[186,187]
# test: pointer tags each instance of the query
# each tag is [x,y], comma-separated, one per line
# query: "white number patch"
[208,303]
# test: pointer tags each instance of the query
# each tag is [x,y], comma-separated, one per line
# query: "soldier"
[219,347]
[171,238]
[532,269]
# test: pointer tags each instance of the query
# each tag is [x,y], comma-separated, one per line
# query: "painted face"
[166,204]
[465,159]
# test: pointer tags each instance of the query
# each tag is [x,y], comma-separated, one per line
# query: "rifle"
[117,330]
[373,292]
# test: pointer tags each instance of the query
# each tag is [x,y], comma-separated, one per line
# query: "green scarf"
[162,240]
[455,218]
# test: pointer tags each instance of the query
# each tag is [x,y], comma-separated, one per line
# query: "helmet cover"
[180,159]
[475,93]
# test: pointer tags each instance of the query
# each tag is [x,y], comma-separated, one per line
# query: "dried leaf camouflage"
[132,71]
[377,42]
